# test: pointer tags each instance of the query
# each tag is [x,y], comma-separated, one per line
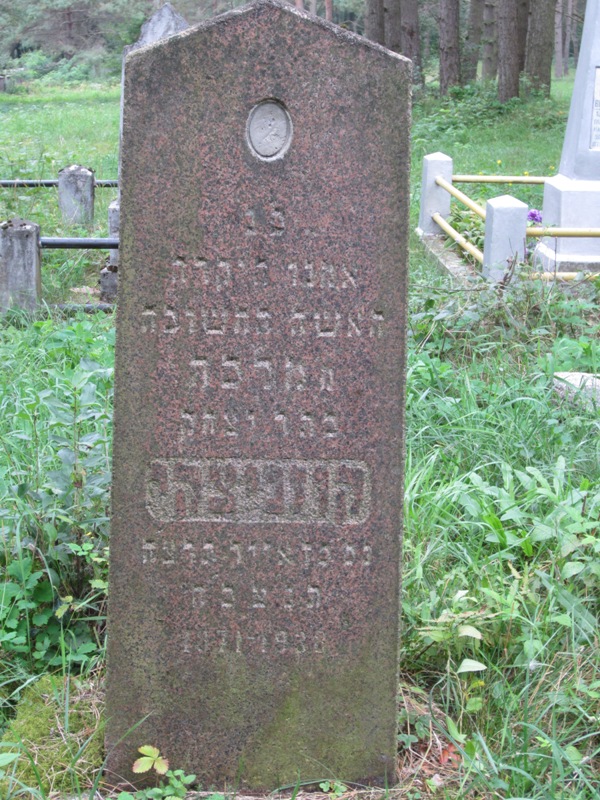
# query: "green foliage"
[174,787]
[334,789]
[501,565]
[55,739]
[502,513]
[455,115]
[55,401]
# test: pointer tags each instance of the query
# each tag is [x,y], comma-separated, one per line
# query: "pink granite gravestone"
[258,455]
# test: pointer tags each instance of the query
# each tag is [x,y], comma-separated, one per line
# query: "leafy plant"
[334,789]
[174,787]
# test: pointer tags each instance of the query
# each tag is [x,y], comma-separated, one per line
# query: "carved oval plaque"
[269,130]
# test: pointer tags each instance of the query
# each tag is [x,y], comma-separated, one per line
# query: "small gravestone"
[258,441]
[163,23]
[572,198]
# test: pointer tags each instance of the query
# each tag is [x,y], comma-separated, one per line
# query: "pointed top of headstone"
[581,149]
[163,23]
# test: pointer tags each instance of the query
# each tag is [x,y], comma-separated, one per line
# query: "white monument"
[572,198]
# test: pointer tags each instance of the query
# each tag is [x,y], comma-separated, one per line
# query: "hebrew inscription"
[258,427]
[262,491]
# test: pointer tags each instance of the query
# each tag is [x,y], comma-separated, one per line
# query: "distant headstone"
[76,195]
[258,440]
[163,23]
[20,273]
[572,198]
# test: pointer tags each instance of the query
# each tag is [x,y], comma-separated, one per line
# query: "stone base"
[583,386]
[108,285]
[548,259]
[570,203]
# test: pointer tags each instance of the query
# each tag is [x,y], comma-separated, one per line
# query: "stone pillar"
[76,195]
[114,217]
[20,274]
[570,203]
[433,197]
[572,198]
[259,415]
[505,227]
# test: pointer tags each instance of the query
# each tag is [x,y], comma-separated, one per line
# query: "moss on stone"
[55,719]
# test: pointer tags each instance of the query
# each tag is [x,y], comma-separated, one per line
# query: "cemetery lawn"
[500,656]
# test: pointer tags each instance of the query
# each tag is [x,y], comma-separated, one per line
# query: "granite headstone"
[572,197]
[258,439]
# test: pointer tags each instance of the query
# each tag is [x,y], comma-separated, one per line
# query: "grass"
[500,661]
[43,131]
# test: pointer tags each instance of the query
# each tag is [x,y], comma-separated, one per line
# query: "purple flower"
[534,215]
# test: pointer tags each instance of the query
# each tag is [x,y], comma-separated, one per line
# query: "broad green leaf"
[161,765]
[470,665]
[573,754]
[143,764]
[43,592]
[469,630]
[148,750]
[8,758]
[572,568]
[454,732]
[562,619]
[474,704]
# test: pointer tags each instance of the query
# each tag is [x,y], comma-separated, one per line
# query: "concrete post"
[505,227]
[20,273]
[114,217]
[76,195]
[433,197]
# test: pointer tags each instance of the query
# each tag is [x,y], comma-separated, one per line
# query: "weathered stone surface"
[76,194]
[20,268]
[258,454]
[582,386]
[572,198]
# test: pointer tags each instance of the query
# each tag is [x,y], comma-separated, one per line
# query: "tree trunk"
[490,41]
[558,39]
[410,39]
[449,31]
[538,59]
[393,25]
[522,25]
[374,21]
[329,10]
[473,40]
[313,7]
[568,35]
[508,50]
[300,4]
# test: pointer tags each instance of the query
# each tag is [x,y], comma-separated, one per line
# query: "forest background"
[453,41]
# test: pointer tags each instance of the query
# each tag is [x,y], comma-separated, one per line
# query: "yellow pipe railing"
[458,238]
[564,276]
[533,179]
[581,233]
[479,210]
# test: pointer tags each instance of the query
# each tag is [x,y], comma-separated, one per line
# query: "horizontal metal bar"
[479,210]
[564,276]
[88,308]
[33,184]
[458,238]
[580,233]
[56,243]
[533,179]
